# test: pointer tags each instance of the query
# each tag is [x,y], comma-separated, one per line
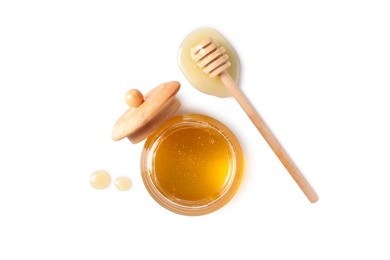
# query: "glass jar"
[192,165]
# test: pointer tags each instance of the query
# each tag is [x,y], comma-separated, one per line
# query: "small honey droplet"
[123,183]
[100,179]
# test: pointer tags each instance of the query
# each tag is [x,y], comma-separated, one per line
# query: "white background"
[317,71]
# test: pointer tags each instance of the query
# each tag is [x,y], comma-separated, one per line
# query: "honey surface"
[192,164]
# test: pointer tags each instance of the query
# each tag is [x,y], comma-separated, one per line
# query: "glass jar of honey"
[191,164]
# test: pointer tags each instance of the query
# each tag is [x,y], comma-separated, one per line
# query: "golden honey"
[192,165]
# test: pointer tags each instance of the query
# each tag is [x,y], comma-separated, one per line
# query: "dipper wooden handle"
[211,58]
[268,136]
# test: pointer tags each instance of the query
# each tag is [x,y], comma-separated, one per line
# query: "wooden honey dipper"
[212,59]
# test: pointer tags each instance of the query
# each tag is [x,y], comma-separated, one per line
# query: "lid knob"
[134,98]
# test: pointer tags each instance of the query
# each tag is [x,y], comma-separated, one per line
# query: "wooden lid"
[157,106]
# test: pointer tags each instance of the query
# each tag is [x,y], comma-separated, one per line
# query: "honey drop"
[100,179]
[122,183]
